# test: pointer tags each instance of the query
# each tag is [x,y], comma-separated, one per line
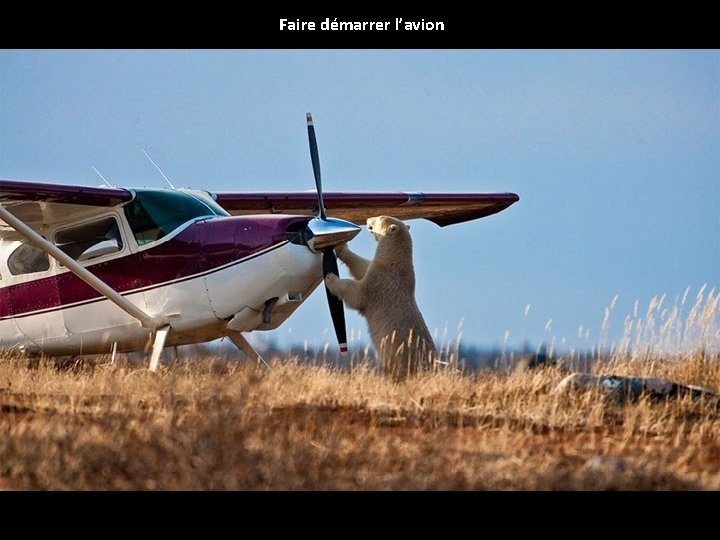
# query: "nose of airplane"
[322,234]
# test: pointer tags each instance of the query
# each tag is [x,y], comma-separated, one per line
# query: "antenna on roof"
[108,184]
[158,168]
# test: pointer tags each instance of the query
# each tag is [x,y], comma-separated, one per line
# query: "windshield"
[155,213]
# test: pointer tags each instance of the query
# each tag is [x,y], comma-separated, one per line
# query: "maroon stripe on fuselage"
[200,248]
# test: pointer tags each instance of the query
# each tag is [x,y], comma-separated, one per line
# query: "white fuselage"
[198,307]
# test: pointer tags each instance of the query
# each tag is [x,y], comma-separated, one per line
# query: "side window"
[27,259]
[90,240]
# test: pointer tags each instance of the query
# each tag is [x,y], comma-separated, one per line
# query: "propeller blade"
[325,234]
[336,306]
[316,164]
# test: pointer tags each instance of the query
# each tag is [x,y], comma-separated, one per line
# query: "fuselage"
[172,254]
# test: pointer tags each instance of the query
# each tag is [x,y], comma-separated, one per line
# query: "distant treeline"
[463,357]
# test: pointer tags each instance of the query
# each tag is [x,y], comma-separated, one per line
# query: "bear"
[383,291]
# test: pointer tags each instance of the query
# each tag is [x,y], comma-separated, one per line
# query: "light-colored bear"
[383,291]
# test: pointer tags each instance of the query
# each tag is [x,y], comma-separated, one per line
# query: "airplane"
[96,270]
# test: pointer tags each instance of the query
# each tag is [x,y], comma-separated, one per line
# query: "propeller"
[329,259]
[314,156]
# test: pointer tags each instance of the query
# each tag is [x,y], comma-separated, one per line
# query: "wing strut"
[96,283]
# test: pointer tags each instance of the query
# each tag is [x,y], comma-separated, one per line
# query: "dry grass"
[205,425]
[211,424]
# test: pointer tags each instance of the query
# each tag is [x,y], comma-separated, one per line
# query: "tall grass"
[686,329]
[679,330]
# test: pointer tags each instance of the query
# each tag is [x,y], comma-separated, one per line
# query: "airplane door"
[173,277]
[87,311]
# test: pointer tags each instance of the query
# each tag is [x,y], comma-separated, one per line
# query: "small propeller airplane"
[93,270]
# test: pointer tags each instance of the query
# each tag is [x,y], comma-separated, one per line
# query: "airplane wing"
[30,201]
[21,190]
[440,208]
[37,203]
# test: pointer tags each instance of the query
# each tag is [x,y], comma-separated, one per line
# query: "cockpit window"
[90,240]
[27,259]
[156,213]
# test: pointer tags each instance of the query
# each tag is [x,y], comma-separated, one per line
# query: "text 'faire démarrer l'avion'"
[334,24]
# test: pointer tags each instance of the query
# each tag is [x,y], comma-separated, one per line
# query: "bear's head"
[386,226]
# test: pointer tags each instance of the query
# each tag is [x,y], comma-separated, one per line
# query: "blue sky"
[615,156]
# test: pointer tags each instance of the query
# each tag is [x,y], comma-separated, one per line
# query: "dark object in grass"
[624,388]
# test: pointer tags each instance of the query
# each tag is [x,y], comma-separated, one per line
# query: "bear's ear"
[408,226]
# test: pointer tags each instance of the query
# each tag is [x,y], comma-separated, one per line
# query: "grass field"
[210,423]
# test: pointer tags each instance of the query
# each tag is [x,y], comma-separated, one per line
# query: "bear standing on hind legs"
[383,291]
